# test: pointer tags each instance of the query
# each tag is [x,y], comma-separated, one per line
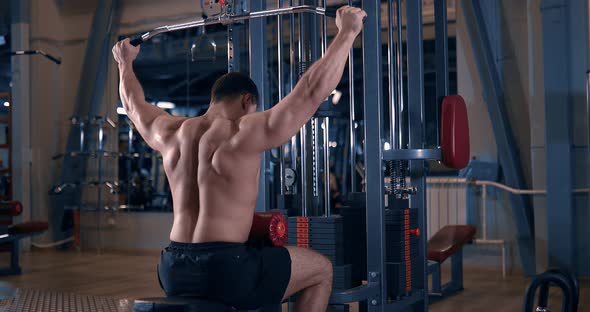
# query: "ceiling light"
[6,104]
[166,105]
[121,111]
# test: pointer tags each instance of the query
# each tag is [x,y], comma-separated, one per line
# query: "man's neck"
[230,111]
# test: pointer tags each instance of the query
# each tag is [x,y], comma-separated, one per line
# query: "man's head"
[235,89]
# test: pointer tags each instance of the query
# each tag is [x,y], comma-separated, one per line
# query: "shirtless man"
[213,164]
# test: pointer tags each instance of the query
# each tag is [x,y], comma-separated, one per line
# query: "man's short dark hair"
[232,85]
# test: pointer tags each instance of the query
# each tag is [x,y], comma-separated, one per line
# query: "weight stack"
[355,235]
[322,234]
[405,272]
[338,308]
[342,277]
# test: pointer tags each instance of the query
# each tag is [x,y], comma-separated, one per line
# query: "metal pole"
[416,123]
[327,166]
[484,196]
[230,51]
[442,59]
[129,162]
[304,171]
[373,109]
[292,82]
[324,30]
[99,156]
[393,104]
[400,71]
[304,130]
[315,152]
[258,67]
[352,122]
[281,92]
[229,19]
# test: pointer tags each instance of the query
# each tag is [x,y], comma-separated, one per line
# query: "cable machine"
[386,224]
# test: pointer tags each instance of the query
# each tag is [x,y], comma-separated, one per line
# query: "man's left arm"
[153,124]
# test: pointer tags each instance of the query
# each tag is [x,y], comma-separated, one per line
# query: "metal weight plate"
[290,177]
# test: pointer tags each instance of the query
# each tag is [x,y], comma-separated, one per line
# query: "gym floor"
[128,276]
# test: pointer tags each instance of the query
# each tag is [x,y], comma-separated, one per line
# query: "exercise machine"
[11,234]
[389,219]
[554,277]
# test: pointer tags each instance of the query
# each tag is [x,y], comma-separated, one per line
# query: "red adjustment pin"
[415,232]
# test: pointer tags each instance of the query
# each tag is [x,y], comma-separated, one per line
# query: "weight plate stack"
[403,243]
[322,234]
[342,277]
[397,279]
[338,308]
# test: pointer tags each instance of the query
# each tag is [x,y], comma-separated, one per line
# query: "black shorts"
[230,273]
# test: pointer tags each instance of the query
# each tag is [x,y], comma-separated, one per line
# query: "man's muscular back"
[213,162]
[214,186]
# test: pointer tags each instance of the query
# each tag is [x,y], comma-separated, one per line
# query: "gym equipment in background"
[268,229]
[447,243]
[11,234]
[551,278]
[52,58]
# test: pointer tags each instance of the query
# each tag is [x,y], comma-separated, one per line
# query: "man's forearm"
[323,77]
[130,89]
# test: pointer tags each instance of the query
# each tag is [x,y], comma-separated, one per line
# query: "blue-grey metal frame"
[375,293]
[561,232]
[374,177]
[507,147]
[442,57]
[258,67]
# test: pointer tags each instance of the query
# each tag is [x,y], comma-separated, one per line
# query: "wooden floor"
[132,276]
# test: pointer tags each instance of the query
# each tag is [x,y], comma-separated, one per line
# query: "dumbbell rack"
[89,127]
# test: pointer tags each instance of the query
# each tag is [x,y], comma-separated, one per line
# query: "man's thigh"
[308,268]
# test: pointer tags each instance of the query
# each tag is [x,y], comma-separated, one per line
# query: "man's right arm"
[271,128]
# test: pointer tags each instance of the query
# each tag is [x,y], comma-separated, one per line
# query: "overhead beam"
[495,99]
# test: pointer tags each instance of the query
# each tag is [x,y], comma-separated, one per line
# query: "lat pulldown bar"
[229,18]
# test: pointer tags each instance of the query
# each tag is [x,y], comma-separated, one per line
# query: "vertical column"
[292,81]
[442,58]
[352,118]
[326,161]
[308,50]
[373,109]
[21,105]
[416,126]
[258,65]
[281,93]
[561,238]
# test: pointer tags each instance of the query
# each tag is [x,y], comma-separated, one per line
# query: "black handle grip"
[54,59]
[137,41]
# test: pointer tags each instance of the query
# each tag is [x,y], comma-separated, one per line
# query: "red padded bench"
[11,234]
[447,243]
